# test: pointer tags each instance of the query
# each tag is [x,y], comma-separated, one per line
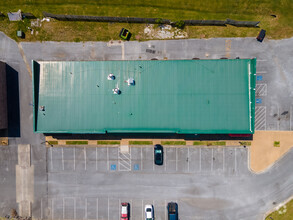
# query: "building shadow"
[13,109]
[119,136]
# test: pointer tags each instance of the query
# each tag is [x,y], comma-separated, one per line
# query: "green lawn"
[258,10]
[210,143]
[284,213]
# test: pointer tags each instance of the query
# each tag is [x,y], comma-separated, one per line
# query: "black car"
[261,35]
[159,154]
[172,211]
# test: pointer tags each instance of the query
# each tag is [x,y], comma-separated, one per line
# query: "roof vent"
[130,82]
[116,91]
[111,77]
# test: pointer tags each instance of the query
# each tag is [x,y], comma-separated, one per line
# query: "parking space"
[177,159]
[99,208]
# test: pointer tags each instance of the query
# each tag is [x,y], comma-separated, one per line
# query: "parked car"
[124,211]
[158,154]
[261,35]
[149,212]
[172,211]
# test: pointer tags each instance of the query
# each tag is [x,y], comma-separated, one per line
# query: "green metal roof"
[174,96]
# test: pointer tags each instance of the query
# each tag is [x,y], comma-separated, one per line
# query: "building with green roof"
[156,96]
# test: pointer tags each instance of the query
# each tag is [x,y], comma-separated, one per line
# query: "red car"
[124,211]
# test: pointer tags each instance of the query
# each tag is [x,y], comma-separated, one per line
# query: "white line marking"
[199,159]
[85,208]
[108,204]
[223,159]
[165,210]
[74,203]
[62,159]
[52,206]
[97,212]
[119,208]
[142,209]
[107,159]
[74,158]
[84,152]
[212,159]
[51,158]
[176,158]
[130,159]
[63,208]
[141,158]
[188,159]
[165,159]
[261,72]
[131,208]
[96,158]
[235,165]
[154,160]
[41,208]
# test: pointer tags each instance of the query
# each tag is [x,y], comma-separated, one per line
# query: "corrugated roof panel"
[180,96]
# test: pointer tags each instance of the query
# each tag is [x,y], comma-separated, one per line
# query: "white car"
[149,212]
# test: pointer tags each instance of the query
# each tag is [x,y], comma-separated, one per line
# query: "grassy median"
[280,26]
[283,213]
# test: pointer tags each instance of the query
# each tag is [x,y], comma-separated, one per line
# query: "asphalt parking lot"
[64,163]
[189,159]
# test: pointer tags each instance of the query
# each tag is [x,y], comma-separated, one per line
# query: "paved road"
[214,192]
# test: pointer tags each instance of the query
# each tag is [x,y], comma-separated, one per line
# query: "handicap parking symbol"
[136,167]
[258,78]
[113,166]
[258,101]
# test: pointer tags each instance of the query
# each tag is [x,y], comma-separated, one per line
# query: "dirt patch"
[263,150]
[164,32]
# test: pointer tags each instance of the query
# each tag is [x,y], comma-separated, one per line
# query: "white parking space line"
[165,160]
[52,208]
[290,117]
[41,208]
[188,159]
[212,166]
[261,72]
[278,123]
[107,159]
[141,209]
[51,158]
[260,118]
[73,158]
[261,90]
[85,208]
[141,159]
[235,165]
[97,211]
[96,158]
[84,152]
[108,209]
[74,208]
[165,209]
[131,208]
[199,159]
[223,159]
[154,160]
[63,209]
[62,159]
[176,160]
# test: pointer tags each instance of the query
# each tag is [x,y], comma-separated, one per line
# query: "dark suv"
[158,154]
[172,211]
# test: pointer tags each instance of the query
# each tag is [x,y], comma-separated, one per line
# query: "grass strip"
[283,213]
[108,142]
[140,143]
[245,143]
[53,142]
[173,143]
[277,144]
[76,142]
[209,143]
